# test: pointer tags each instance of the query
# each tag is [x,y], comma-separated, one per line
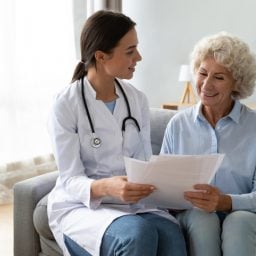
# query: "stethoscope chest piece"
[95,142]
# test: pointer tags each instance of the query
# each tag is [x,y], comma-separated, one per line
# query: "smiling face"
[122,61]
[214,85]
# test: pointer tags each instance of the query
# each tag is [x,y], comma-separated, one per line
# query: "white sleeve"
[62,127]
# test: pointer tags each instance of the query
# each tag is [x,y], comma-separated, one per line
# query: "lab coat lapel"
[100,114]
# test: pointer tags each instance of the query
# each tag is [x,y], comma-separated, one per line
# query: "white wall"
[168,30]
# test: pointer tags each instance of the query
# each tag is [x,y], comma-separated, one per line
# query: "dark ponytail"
[80,72]
[101,32]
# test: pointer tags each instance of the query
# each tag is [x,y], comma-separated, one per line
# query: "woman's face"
[122,61]
[214,84]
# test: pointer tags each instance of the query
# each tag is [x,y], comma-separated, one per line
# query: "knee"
[130,235]
[200,221]
[142,229]
[142,235]
[240,223]
[238,233]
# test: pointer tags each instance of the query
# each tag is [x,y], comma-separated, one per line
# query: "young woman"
[95,121]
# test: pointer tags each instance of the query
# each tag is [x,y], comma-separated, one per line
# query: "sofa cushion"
[40,219]
[159,119]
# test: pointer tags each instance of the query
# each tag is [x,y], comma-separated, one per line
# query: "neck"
[103,85]
[213,115]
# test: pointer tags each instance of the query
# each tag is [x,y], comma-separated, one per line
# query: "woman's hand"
[119,187]
[208,198]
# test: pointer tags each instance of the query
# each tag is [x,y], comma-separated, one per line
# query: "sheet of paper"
[172,175]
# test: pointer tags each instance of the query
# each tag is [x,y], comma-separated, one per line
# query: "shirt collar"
[234,113]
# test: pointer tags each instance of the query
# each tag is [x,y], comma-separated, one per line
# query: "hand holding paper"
[172,175]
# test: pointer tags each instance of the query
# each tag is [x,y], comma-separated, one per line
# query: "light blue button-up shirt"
[189,133]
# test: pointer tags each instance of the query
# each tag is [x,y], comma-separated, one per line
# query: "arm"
[62,125]
[67,150]
[167,140]
[246,201]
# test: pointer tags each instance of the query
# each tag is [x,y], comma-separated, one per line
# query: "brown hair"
[102,31]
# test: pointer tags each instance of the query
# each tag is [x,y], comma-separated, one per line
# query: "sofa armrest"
[27,193]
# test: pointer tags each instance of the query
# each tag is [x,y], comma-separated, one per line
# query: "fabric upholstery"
[40,219]
[158,122]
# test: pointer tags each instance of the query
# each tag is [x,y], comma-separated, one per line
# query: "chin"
[126,76]
[209,101]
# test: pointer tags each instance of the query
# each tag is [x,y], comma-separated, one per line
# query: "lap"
[234,232]
[240,219]
[146,234]
[141,223]
[238,234]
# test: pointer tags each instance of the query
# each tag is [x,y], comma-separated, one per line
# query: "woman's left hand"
[208,198]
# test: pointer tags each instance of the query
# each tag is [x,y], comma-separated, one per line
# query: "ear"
[100,56]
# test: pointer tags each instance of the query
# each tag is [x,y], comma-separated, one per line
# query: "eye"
[219,77]
[129,52]
[201,73]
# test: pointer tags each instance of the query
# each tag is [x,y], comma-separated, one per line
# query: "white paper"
[172,175]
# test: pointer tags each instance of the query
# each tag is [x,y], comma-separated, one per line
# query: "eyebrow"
[131,47]
[217,73]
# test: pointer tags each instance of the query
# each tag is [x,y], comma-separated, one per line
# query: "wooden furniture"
[251,105]
[177,105]
[188,96]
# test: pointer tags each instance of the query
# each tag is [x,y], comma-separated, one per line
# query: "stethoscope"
[96,141]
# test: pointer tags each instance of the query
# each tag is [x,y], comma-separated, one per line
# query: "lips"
[207,94]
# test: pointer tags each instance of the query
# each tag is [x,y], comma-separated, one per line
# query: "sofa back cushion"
[159,119]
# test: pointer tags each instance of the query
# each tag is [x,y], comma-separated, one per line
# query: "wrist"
[98,188]
[225,203]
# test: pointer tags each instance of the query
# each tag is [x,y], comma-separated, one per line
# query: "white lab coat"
[71,210]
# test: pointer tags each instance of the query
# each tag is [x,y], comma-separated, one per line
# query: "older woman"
[223,219]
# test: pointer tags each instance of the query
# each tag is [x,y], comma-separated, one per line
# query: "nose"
[138,56]
[206,83]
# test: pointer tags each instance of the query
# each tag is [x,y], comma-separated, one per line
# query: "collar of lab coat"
[93,92]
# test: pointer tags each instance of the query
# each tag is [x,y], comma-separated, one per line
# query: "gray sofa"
[32,236]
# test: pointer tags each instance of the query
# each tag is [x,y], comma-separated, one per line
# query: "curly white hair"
[232,53]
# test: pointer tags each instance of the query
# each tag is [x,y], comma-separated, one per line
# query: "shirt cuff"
[91,202]
[239,202]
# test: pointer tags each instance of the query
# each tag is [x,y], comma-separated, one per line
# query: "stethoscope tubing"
[96,142]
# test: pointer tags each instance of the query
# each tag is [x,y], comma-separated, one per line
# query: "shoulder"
[184,115]
[66,98]
[183,120]
[248,114]
[129,88]
[133,93]
[67,92]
